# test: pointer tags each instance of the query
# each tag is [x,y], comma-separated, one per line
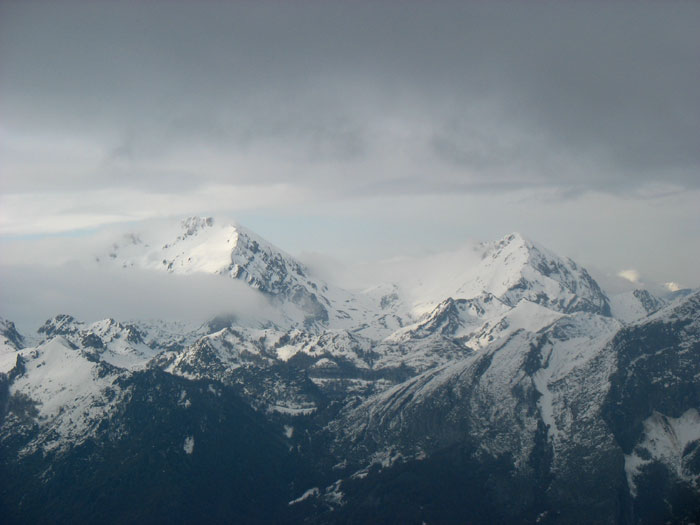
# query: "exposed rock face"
[9,336]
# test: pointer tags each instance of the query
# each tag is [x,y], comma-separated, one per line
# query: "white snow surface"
[634,305]
[197,246]
[8,359]
[230,348]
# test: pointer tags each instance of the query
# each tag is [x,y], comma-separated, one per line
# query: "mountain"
[499,384]
[513,269]
[587,418]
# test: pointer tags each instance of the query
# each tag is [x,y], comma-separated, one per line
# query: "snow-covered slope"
[632,306]
[543,365]
[201,245]
[66,392]
[582,390]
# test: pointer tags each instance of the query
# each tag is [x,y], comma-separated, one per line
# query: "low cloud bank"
[32,294]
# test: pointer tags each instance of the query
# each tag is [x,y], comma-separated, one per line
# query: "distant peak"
[60,324]
[192,225]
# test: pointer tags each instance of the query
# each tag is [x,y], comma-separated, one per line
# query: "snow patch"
[286,352]
[188,446]
[293,410]
[311,493]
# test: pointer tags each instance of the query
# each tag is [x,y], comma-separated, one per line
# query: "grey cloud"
[33,293]
[591,95]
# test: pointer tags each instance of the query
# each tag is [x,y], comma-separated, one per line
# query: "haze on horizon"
[359,130]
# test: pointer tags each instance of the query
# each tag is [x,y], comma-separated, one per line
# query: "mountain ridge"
[518,374]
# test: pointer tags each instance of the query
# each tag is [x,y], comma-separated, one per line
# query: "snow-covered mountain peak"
[204,245]
[124,345]
[512,269]
[516,247]
[522,269]
[201,245]
[514,251]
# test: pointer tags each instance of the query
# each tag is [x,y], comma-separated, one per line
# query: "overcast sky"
[361,130]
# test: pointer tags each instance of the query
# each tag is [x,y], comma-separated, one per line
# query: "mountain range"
[499,385]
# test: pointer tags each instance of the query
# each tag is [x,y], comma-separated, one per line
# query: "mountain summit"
[203,245]
[516,268]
